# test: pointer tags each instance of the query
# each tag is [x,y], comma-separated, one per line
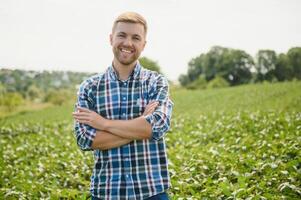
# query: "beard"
[125,58]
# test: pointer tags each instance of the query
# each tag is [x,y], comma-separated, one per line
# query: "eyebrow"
[136,35]
[123,33]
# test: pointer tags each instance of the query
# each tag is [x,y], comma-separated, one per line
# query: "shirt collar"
[114,76]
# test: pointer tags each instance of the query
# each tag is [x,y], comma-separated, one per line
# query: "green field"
[233,143]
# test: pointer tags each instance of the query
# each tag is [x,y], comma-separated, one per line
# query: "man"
[123,115]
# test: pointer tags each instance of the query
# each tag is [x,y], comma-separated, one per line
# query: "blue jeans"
[161,196]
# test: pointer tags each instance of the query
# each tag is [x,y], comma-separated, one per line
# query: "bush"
[11,100]
[34,92]
[59,97]
[218,82]
[2,90]
[199,83]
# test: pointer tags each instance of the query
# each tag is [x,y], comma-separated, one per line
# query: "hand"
[150,108]
[91,118]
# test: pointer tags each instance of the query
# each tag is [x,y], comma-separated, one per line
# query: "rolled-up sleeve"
[160,118]
[84,134]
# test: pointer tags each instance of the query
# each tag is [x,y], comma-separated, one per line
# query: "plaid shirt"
[137,170]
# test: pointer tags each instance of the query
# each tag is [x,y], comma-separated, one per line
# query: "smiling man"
[123,115]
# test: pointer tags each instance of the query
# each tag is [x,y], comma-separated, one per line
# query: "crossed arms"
[95,132]
[115,133]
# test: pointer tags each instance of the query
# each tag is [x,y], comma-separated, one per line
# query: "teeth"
[126,51]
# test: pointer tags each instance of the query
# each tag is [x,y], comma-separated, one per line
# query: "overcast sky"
[74,34]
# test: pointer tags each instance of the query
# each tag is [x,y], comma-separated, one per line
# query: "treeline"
[222,67]
[18,86]
[56,87]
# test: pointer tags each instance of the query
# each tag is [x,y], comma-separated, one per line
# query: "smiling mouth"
[126,50]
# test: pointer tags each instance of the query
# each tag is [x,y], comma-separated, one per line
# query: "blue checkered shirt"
[137,170]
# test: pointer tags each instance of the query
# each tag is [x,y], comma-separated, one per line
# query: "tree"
[294,58]
[150,64]
[196,67]
[214,62]
[265,65]
[231,64]
[283,71]
[184,80]
[237,65]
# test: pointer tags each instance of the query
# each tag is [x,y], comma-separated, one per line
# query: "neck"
[123,71]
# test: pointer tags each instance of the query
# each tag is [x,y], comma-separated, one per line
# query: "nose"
[127,42]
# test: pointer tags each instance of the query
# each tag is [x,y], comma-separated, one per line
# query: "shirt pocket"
[139,104]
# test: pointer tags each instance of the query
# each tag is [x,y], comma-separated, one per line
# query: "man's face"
[128,41]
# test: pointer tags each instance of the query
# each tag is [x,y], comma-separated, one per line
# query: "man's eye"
[121,36]
[136,38]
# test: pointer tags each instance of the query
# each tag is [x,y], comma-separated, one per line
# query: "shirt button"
[124,98]
[123,114]
[126,159]
[127,176]
[124,83]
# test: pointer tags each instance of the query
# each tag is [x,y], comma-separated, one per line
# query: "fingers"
[82,118]
[147,112]
[81,109]
[80,114]
[150,108]
[152,104]
[83,121]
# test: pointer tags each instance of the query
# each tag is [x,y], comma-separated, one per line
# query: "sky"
[73,35]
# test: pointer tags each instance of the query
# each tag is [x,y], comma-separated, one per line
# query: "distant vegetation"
[150,64]
[22,88]
[225,66]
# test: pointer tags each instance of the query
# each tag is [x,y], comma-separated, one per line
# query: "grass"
[47,115]
[26,107]
[257,97]
[233,143]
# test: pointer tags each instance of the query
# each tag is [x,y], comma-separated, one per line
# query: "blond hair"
[130,17]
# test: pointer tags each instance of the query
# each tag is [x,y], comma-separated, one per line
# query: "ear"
[111,39]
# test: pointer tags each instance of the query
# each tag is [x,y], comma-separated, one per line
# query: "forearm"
[105,140]
[135,129]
